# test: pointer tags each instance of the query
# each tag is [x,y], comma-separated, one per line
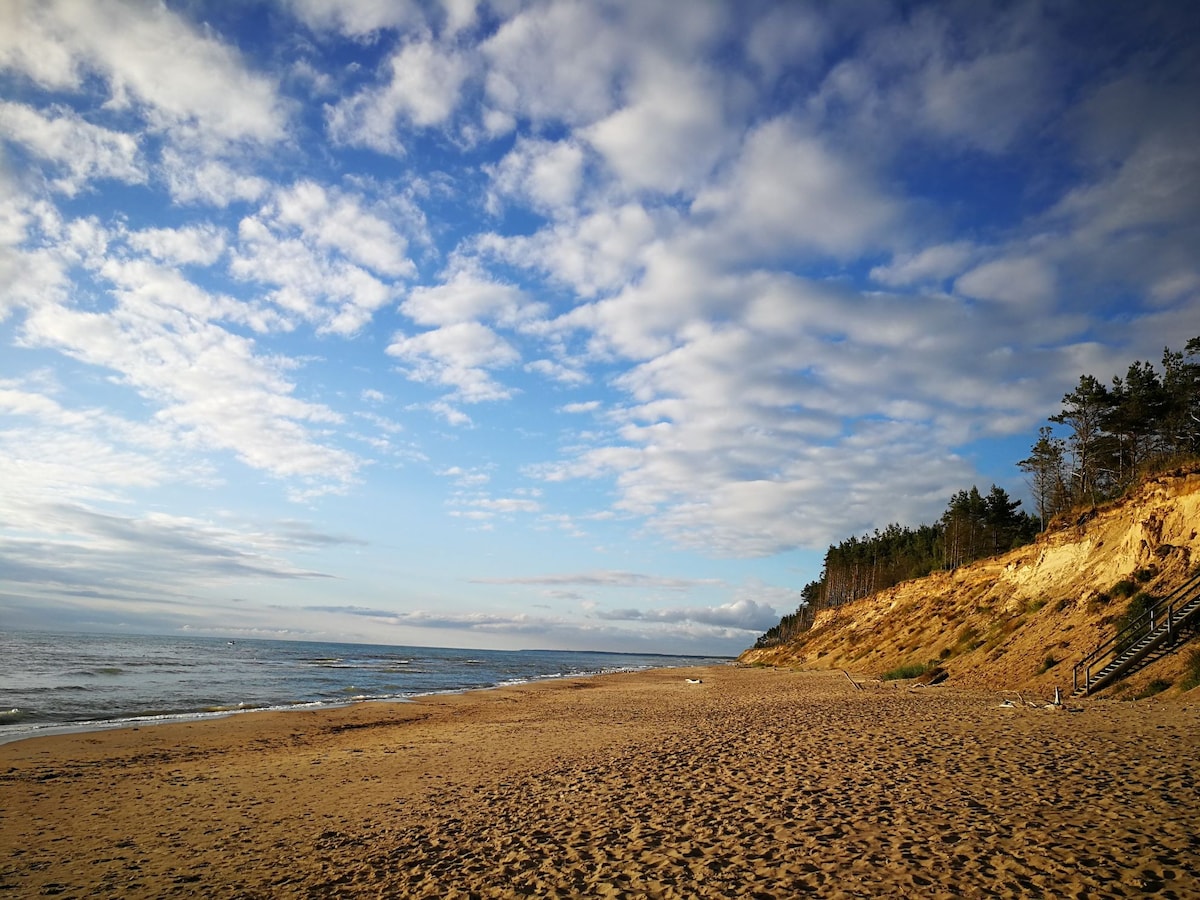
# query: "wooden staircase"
[1140,641]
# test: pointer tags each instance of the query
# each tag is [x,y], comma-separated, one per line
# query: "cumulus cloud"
[555,62]
[672,132]
[200,245]
[585,406]
[196,178]
[807,261]
[457,356]
[482,508]
[786,36]
[986,100]
[467,296]
[356,18]
[207,382]
[930,266]
[546,175]
[182,79]
[790,192]
[331,260]
[1024,281]
[592,254]
[935,76]
[556,371]
[337,221]
[166,339]
[724,430]
[83,150]
[423,89]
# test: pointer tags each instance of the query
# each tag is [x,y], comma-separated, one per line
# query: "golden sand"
[753,783]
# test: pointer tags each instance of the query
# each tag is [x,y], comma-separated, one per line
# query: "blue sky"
[576,325]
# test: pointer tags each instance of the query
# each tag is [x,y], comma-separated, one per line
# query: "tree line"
[1114,436]
[973,526]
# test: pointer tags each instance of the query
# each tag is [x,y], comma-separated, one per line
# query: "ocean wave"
[228,707]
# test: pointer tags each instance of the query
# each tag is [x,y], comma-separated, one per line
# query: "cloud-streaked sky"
[553,324]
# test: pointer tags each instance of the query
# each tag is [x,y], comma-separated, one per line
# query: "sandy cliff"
[1023,619]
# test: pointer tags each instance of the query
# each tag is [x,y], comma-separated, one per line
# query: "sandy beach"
[752,783]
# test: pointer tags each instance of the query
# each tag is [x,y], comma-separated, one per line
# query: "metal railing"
[1155,627]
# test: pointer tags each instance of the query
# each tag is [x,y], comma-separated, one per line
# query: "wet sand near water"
[753,783]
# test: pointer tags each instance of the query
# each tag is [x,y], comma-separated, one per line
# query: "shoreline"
[642,784]
[51,729]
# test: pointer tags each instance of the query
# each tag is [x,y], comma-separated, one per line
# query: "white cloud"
[163,294]
[745,614]
[787,36]
[556,62]
[678,286]
[1023,281]
[424,88]
[751,385]
[490,507]
[545,174]
[28,45]
[944,78]
[338,297]
[933,265]
[181,78]
[592,254]
[460,15]
[356,18]
[467,296]
[556,371]
[1142,146]
[788,192]
[672,132]
[337,221]
[161,336]
[987,100]
[585,406]
[316,246]
[193,178]
[465,477]
[84,150]
[28,277]
[71,454]
[457,356]
[206,382]
[451,414]
[200,245]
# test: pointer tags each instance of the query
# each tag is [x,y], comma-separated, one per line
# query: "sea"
[53,683]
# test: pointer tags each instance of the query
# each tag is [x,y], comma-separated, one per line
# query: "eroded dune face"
[997,622]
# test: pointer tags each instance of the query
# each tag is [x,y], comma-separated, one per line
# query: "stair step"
[1149,641]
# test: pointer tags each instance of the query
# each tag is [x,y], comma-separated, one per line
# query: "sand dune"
[753,783]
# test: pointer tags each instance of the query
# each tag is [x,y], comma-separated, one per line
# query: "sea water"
[53,682]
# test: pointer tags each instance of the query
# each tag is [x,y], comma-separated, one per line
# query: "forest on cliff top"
[1111,438]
